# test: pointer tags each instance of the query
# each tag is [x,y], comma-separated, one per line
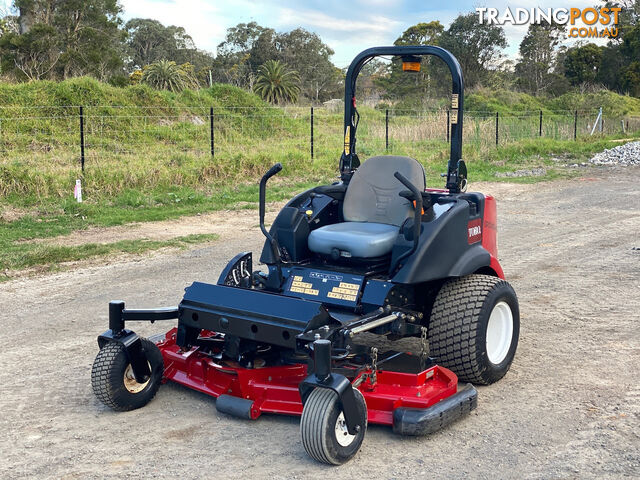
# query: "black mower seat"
[372,209]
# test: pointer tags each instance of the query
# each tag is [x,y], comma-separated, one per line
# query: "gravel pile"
[627,154]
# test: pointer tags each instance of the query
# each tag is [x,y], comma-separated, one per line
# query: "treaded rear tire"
[319,416]
[108,371]
[458,327]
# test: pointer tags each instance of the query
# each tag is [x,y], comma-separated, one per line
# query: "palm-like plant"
[165,75]
[276,83]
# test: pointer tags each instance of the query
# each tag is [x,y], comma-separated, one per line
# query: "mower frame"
[265,342]
[349,160]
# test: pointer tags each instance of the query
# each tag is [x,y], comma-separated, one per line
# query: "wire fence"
[94,135]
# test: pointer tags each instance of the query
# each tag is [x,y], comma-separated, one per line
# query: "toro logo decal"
[474,231]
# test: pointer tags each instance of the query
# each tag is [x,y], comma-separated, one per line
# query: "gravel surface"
[627,154]
[568,408]
[534,172]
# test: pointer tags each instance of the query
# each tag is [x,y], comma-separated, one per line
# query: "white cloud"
[345,36]
[200,18]
[379,3]
[369,24]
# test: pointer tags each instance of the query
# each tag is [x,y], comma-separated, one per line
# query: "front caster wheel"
[323,429]
[113,381]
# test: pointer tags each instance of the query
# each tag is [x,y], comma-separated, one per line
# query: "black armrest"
[408,194]
[336,191]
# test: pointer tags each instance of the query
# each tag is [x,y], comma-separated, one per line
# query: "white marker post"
[77,191]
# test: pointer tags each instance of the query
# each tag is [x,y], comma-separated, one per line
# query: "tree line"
[61,39]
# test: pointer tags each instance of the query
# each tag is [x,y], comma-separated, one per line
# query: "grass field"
[148,154]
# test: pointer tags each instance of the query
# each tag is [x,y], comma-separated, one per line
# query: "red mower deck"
[275,389]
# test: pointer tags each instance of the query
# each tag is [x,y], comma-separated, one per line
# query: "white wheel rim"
[130,382]
[342,433]
[499,332]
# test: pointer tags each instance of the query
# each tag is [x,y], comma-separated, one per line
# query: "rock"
[624,155]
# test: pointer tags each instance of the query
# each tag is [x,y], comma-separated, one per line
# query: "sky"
[347,26]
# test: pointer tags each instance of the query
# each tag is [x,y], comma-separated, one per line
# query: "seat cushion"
[355,239]
[372,194]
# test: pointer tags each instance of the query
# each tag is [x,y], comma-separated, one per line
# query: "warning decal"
[339,289]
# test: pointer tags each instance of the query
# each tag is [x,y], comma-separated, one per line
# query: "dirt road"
[569,407]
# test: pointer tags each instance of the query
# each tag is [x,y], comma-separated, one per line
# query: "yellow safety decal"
[311,291]
[346,291]
[340,296]
[351,286]
[301,284]
[297,278]
[347,140]
[454,100]
[454,116]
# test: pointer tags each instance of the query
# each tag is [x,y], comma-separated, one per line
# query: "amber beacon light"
[411,64]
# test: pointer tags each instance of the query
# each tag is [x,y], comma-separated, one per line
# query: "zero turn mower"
[376,253]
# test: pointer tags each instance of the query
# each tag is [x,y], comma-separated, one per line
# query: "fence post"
[448,125]
[496,129]
[211,135]
[81,138]
[311,133]
[540,132]
[386,129]
[575,125]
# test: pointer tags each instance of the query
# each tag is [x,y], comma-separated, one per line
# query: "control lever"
[417,217]
[263,185]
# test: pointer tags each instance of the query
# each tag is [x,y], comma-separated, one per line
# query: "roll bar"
[349,160]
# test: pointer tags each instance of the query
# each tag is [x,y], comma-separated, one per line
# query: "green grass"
[147,153]
[47,217]
[49,257]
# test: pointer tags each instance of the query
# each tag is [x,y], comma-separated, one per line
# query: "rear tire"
[112,378]
[323,430]
[474,328]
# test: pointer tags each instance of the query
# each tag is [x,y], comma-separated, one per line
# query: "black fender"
[471,261]
[443,250]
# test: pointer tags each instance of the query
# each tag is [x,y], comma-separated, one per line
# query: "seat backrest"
[372,194]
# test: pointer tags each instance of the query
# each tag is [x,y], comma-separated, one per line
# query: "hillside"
[144,140]
[88,91]
[511,102]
